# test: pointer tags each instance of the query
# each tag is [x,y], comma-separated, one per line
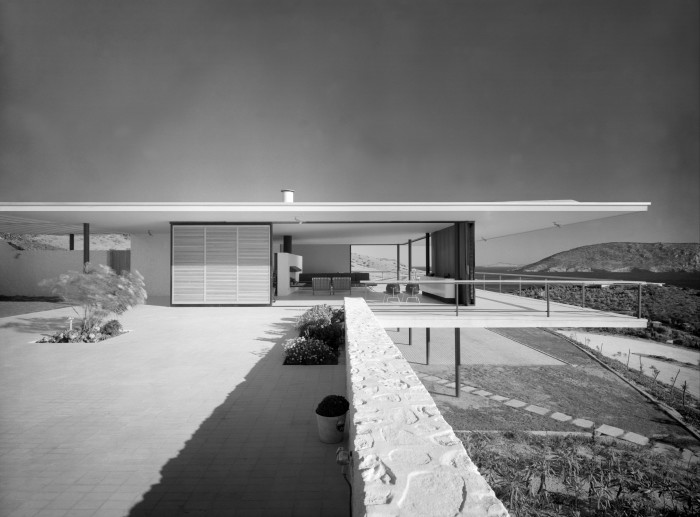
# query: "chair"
[321,284]
[391,292]
[412,291]
[342,283]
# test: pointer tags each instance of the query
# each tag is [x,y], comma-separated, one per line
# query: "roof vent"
[288,195]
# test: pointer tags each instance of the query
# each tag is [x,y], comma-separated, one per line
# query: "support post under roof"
[86,244]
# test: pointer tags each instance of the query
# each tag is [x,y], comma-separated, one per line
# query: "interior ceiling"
[311,223]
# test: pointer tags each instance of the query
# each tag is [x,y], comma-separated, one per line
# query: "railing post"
[583,296]
[410,336]
[500,279]
[458,360]
[484,279]
[520,286]
[427,346]
[639,302]
[546,290]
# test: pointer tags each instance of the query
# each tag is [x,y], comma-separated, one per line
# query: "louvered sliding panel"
[253,264]
[221,261]
[188,278]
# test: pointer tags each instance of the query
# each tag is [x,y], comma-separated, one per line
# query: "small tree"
[99,291]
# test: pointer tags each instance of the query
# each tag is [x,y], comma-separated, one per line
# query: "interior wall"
[150,256]
[324,258]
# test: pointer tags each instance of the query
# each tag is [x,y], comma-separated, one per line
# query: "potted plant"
[330,417]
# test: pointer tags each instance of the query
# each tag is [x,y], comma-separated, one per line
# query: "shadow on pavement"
[258,453]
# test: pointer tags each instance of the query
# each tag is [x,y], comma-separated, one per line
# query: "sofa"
[355,278]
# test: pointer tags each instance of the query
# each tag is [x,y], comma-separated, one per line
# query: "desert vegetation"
[582,476]
[674,312]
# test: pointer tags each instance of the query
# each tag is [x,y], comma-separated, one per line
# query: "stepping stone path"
[583,423]
[537,410]
[609,430]
[561,417]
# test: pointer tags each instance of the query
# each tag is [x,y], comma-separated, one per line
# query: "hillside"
[98,242]
[620,257]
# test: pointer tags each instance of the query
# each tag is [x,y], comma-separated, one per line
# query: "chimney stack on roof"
[288,195]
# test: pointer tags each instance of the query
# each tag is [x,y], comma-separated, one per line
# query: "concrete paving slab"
[635,438]
[516,403]
[609,430]
[498,398]
[482,393]
[538,410]
[466,387]
[561,417]
[582,422]
[194,402]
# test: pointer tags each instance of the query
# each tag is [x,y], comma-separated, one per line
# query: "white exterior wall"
[150,256]
[22,270]
[324,258]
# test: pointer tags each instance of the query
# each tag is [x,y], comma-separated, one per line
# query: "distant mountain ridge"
[622,257]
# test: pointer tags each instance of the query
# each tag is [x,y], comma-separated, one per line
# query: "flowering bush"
[303,350]
[99,291]
[323,323]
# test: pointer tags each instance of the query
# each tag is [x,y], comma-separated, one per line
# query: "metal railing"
[545,282]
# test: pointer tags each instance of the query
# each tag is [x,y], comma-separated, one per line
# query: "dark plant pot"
[331,428]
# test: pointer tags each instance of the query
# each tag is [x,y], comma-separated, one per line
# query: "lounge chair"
[342,283]
[412,291]
[392,292]
[321,284]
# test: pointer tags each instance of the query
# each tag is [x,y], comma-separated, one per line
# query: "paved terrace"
[191,414]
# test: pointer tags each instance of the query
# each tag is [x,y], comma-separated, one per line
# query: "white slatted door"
[253,264]
[221,264]
[188,269]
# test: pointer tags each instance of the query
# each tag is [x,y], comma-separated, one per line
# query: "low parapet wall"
[406,459]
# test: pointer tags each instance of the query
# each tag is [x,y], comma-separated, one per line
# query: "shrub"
[92,335]
[112,328]
[99,291]
[323,323]
[333,405]
[309,351]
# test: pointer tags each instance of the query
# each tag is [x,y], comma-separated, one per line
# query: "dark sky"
[139,100]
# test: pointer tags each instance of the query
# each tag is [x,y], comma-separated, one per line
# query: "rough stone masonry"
[407,460]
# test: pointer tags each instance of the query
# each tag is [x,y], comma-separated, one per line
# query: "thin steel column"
[86,244]
[458,360]
[520,286]
[398,263]
[583,295]
[427,254]
[457,299]
[410,336]
[639,302]
[546,290]
[410,259]
[427,346]
[71,241]
[500,279]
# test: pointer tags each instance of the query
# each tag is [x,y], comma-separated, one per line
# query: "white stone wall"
[407,461]
[21,271]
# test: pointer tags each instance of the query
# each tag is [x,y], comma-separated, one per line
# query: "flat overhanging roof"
[312,223]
